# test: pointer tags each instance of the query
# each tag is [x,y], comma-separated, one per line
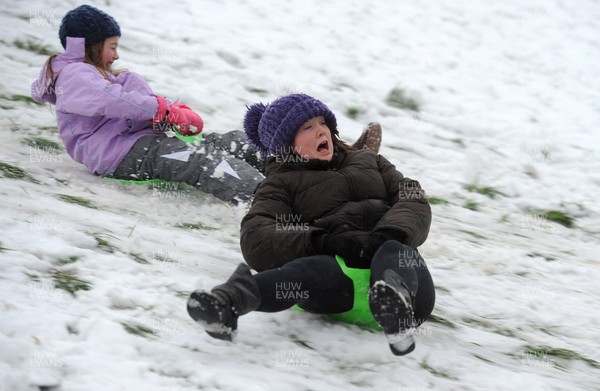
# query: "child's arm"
[267,238]
[82,90]
[409,218]
[132,81]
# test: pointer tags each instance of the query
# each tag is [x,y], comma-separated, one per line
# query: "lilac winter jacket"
[98,120]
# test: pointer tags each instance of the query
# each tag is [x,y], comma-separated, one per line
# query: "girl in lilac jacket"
[114,124]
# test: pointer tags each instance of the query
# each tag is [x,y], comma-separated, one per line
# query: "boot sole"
[389,308]
[202,307]
[386,306]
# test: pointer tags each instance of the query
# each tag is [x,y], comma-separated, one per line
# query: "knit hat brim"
[271,129]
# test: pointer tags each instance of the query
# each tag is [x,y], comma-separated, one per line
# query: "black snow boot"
[391,305]
[217,311]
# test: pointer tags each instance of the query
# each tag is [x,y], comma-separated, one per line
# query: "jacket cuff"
[317,239]
[161,112]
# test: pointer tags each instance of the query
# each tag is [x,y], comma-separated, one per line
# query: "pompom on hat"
[272,128]
[90,23]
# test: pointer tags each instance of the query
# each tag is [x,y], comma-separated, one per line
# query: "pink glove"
[193,119]
[179,115]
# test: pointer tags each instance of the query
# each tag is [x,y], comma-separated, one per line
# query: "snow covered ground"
[505,141]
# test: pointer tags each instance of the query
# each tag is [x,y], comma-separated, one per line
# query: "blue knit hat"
[273,127]
[88,22]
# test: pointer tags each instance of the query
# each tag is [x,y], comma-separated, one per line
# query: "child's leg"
[412,269]
[401,295]
[316,283]
[236,144]
[208,169]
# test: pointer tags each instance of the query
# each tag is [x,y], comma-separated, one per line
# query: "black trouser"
[318,284]
[212,167]
[236,144]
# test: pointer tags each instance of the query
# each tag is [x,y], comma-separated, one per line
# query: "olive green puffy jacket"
[357,193]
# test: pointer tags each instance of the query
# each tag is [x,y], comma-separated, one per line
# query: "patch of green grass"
[68,260]
[14,172]
[69,282]
[256,90]
[506,332]
[138,329]
[182,294]
[566,354]
[436,372]
[439,320]
[62,181]
[459,142]
[471,205]
[138,258]
[548,258]
[354,112]
[200,226]
[440,288]
[557,216]
[34,47]
[40,142]
[33,277]
[397,98]
[77,200]
[437,201]
[473,234]
[298,341]
[71,329]
[104,244]
[51,129]
[164,258]
[485,190]
[19,98]
[483,358]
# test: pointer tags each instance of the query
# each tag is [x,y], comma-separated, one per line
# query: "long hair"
[338,142]
[93,56]
[50,74]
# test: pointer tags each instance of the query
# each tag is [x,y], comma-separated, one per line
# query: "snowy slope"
[506,131]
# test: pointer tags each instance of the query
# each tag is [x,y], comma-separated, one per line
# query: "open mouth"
[323,147]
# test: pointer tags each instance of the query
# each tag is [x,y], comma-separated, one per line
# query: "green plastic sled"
[360,314]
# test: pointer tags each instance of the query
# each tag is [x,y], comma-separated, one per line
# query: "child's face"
[109,52]
[313,140]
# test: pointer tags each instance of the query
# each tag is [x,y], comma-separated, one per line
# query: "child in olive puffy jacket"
[324,212]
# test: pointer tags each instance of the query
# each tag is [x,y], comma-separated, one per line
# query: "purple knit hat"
[273,127]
